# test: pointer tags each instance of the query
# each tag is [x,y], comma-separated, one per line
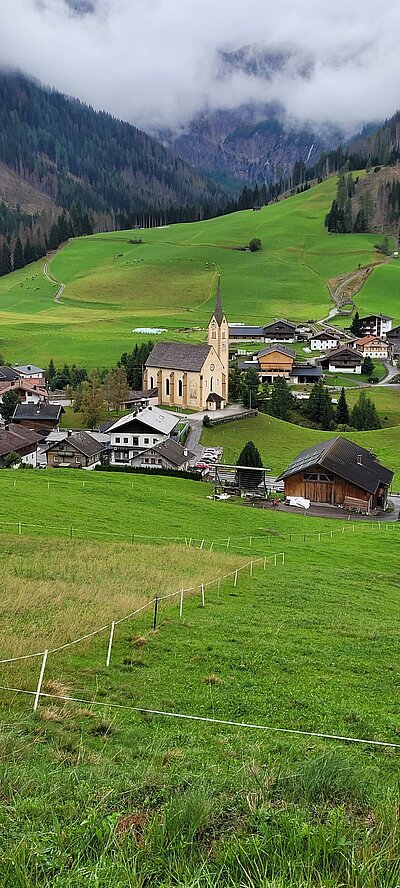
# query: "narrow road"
[46,272]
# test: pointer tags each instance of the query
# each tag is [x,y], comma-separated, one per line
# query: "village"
[153,432]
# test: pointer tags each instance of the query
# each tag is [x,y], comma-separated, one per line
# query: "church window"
[167,386]
[180,388]
[213,334]
[223,334]
[151,382]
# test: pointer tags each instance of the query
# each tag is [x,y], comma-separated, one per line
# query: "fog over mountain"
[159,63]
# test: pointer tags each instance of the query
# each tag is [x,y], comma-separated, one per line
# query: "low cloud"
[157,63]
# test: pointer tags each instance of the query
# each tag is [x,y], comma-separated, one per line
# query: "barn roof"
[288,352]
[345,459]
[44,412]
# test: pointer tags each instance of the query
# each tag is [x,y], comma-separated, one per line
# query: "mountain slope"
[70,152]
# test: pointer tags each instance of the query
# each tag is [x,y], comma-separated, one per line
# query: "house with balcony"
[137,431]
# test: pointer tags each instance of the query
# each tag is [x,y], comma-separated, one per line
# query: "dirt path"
[53,280]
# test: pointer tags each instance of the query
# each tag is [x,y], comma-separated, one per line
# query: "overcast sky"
[154,62]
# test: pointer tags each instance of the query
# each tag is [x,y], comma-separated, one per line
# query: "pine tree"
[249,456]
[8,405]
[368,366]
[327,415]
[6,259]
[355,326]
[18,258]
[250,389]
[281,401]
[315,404]
[235,385]
[29,253]
[51,372]
[342,410]
[364,415]
[54,238]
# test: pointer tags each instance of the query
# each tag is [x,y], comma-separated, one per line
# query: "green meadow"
[96,793]
[113,286]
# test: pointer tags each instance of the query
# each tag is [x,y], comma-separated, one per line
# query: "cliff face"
[251,143]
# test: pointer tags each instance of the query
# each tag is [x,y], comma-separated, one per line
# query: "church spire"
[219,313]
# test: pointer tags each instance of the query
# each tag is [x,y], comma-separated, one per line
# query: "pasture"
[96,793]
[279,442]
[169,280]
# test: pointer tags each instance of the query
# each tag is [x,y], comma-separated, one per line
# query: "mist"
[157,63]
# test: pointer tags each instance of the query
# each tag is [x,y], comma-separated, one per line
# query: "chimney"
[185,452]
[69,432]
[359,459]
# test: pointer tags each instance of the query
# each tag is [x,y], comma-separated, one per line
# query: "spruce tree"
[342,410]
[315,404]
[281,401]
[6,259]
[355,326]
[364,415]
[8,405]
[54,238]
[29,253]
[18,258]
[249,456]
[368,366]
[51,372]
[250,389]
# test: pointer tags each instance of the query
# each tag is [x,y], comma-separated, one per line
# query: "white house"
[372,347]
[324,341]
[144,427]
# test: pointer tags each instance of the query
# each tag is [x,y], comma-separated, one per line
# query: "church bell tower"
[218,337]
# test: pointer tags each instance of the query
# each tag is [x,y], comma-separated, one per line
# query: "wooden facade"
[330,488]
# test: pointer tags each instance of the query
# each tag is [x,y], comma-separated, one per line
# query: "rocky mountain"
[251,143]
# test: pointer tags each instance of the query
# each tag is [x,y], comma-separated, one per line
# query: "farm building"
[324,340]
[24,442]
[38,416]
[279,330]
[276,360]
[340,473]
[393,338]
[342,360]
[75,451]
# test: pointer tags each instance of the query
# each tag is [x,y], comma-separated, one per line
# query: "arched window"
[167,386]
[180,388]
[212,384]
[151,381]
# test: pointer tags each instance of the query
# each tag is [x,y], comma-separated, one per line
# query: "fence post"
[250,541]
[181,605]
[190,542]
[39,687]
[265,562]
[219,587]
[228,542]
[19,528]
[212,546]
[202,543]
[110,643]
[331,534]
[283,558]
[155,612]
[251,568]
[235,580]
[133,538]
[274,560]
[202,595]
[319,537]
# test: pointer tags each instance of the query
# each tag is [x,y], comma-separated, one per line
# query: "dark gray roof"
[307,370]
[394,333]
[245,330]
[7,374]
[83,442]
[381,316]
[342,457]
[173,452]
[44,412]
[178,356]
[279,322]
[141,395]
[14,437]
[214,397]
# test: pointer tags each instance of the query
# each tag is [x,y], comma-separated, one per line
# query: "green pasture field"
[279,442]
[113,286]
[386,400]
[104,796]
[352,379]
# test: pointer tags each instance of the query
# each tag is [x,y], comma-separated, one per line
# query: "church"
[193,376]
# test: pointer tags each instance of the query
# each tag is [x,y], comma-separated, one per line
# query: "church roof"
[178,356]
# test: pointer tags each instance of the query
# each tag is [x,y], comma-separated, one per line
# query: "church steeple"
[218,312]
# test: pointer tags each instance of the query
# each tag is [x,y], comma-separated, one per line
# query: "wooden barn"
[340,473]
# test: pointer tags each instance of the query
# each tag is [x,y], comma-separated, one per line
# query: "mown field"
[99,794]
[113,286]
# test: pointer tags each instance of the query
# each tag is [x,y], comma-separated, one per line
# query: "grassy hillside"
[279,442]
[103,795]
[169,280]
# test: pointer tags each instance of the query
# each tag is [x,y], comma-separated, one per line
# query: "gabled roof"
[280,321]
[311,370]
[365,340]
[288,352]
[82,441]
[214,398]
[141,395]
[245,330]
[7,374]
[159,420]
[39,412]
[14,437]
[394,333]
[345,459]
[27,368]
[381,316]
[172,451]
[23,385]
[345,349]
[325,334]
[178,356]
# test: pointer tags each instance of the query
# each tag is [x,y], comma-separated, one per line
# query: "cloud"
[157,63]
